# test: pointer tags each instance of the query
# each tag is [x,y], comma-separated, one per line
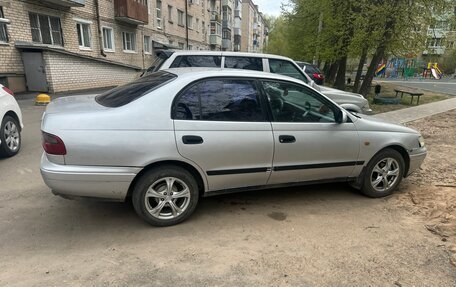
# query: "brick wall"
[67,72]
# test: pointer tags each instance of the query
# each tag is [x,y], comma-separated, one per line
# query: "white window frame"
[159,12]
[3,25]
[180,20]
[132,41]
[149,44]
[80,23]
[113,49]
[190,19]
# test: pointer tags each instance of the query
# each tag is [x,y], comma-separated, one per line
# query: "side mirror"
[341,117]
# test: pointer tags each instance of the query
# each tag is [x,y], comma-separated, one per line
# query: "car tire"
[10,130]
[165,195]
[383,173]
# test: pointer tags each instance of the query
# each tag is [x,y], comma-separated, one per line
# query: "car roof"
[195,73]
[226,53]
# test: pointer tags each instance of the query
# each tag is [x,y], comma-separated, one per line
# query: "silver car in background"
[176,135]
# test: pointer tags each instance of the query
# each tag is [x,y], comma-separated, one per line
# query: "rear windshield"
[125,94]
[197,61]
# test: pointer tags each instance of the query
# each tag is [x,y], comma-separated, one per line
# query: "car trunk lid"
[74,104]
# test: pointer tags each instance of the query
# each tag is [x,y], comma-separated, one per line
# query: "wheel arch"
[190,168]
[14,116]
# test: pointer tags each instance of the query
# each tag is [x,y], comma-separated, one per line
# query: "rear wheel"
[10,136]
[165,195]
[383,173]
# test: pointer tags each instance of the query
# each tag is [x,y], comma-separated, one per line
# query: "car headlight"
[421,141]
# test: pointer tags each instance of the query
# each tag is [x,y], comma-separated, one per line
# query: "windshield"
[125,94]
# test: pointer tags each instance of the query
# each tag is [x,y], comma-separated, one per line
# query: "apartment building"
[254,32]
[62,45]
[441,34]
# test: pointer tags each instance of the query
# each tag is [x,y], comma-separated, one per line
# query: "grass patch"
[388,91]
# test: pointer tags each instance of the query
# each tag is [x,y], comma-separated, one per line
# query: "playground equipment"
[380,70]
[399,67]
[433,70]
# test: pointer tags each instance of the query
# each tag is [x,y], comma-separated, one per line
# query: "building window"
[159,14]
[180,18]
[147,45]
[181,45]
[170,14]
[46,29]
[203,27]
[3,31]
[108,39]
[84,35]
[190,47]
[129,41]
[190,22]
[197,23]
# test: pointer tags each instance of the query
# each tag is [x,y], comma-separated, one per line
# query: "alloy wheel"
[12,137]
[385,174]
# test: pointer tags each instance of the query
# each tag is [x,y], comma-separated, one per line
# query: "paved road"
[445,86]
[326,235]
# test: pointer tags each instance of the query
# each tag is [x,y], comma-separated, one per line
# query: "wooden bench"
[411,92]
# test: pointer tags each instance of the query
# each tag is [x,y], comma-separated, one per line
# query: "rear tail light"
[8,91]
[318,76]
[52,144]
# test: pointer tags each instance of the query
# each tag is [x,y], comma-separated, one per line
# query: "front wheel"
[383,174]
[10,136]
[165,195]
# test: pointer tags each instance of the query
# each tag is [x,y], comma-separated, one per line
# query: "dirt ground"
[323,235]
[431,192]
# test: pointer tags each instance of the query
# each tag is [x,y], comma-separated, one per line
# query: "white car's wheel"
[165,195]
[10,135]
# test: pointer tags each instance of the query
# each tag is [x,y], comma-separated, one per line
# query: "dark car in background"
[313,72]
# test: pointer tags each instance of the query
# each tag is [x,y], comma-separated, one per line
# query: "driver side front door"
[308,143]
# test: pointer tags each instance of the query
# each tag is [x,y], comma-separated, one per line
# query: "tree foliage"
[332,31]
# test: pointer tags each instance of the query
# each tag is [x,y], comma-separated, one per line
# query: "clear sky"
[270,7]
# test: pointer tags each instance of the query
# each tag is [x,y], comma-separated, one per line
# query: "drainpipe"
[100,33]
[186,22]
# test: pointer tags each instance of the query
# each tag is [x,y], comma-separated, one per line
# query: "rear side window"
[220,100]
[125,94]
[286,68]
[197,61]
[311,70]
[245,63]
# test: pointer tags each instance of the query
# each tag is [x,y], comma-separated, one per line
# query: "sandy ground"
[431,192]
[325,235]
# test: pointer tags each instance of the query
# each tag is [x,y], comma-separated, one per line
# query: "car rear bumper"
[416,159]
[103,182]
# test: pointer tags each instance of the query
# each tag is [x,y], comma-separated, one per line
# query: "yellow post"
[42,100]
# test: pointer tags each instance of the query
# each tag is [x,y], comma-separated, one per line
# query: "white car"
[256,62]
[11,123]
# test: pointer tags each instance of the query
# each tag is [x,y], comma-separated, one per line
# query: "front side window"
[294,103]
[220,100]
[197,61]
[129,41]
[286,68]
[46,29]
[84,35]
[125,94]
[245,63]
[108,39]
[3,31]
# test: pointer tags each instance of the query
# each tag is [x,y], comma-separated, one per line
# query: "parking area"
[325,235]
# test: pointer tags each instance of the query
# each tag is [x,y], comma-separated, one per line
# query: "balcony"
[215,16]
[238,31]
[131,11]
[65,3]
[237,47]
[238,14]
[215,39]
[227,24]
[226,44]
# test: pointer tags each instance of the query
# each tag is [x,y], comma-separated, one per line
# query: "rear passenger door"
[220,124]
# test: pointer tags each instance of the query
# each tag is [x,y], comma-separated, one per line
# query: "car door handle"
[287,139]
[192,140]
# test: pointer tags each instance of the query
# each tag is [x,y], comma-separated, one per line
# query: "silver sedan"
[176,135]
